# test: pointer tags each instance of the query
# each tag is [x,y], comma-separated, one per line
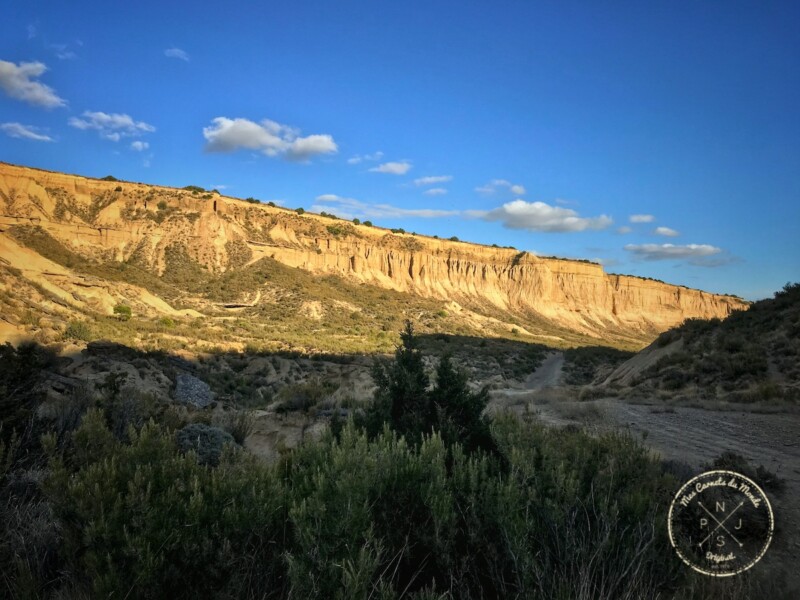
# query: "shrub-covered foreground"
[88,510]
[571,517]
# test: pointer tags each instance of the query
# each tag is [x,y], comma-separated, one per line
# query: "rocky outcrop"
[144,224]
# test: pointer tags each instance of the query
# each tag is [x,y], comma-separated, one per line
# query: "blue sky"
[662,138]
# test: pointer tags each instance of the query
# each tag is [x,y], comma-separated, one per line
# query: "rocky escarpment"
[155,226]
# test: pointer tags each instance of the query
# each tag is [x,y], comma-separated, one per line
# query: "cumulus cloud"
[495,184]
[111,126]
[139,146]
[624,229]
[666,231]
[267,137]
[359,158]
[691,252]
[177,53]
[393,168]
[349,208]
[17,130]
[641,218]
[539,216]
[432,179]
[17,81]
[435,192]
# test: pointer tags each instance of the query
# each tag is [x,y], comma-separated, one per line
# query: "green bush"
[78,330]
[300,211]
[123,312]
[207,442]
[162,205]
[368,223]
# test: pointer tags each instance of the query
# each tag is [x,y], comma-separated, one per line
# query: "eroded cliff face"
[121,221]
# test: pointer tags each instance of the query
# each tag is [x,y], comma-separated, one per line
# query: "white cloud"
[495,184]
[539,216]
[641,218]
[139,146]
[393,168]
[113,126]
[176,53]
[672,251]
[435,192]
[267,137]
[17,130]
[354,160]
[18,82]
[624,229]
[304,148]
[666,231]
[430,180]
[350,207]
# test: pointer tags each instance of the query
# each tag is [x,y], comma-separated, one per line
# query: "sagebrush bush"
[206,441]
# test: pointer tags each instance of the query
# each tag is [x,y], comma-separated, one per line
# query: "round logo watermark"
[720,523]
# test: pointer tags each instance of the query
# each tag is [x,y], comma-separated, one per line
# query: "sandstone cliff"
[132,222]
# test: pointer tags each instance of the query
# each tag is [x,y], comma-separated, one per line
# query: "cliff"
[149,226]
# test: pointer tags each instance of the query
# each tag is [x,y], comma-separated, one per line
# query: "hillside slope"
[750,356]
[93,244]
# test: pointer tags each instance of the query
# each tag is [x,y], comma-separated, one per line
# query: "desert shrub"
[207,442]
[454,239]
[123,312]
[300,211]
[192,530]
[559,525]
[368,223]
[732,461]
[303,396]
[118,188]
[21,370]
[340,229]
[162,205]
[356,221]
[239,423]
[166,322]
[78,330]
[109,178]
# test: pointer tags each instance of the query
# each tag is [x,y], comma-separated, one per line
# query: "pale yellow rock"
[576,295]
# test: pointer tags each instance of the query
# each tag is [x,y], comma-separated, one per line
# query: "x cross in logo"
[720,524]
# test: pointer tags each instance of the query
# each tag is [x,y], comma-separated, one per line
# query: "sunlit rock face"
[122,221]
